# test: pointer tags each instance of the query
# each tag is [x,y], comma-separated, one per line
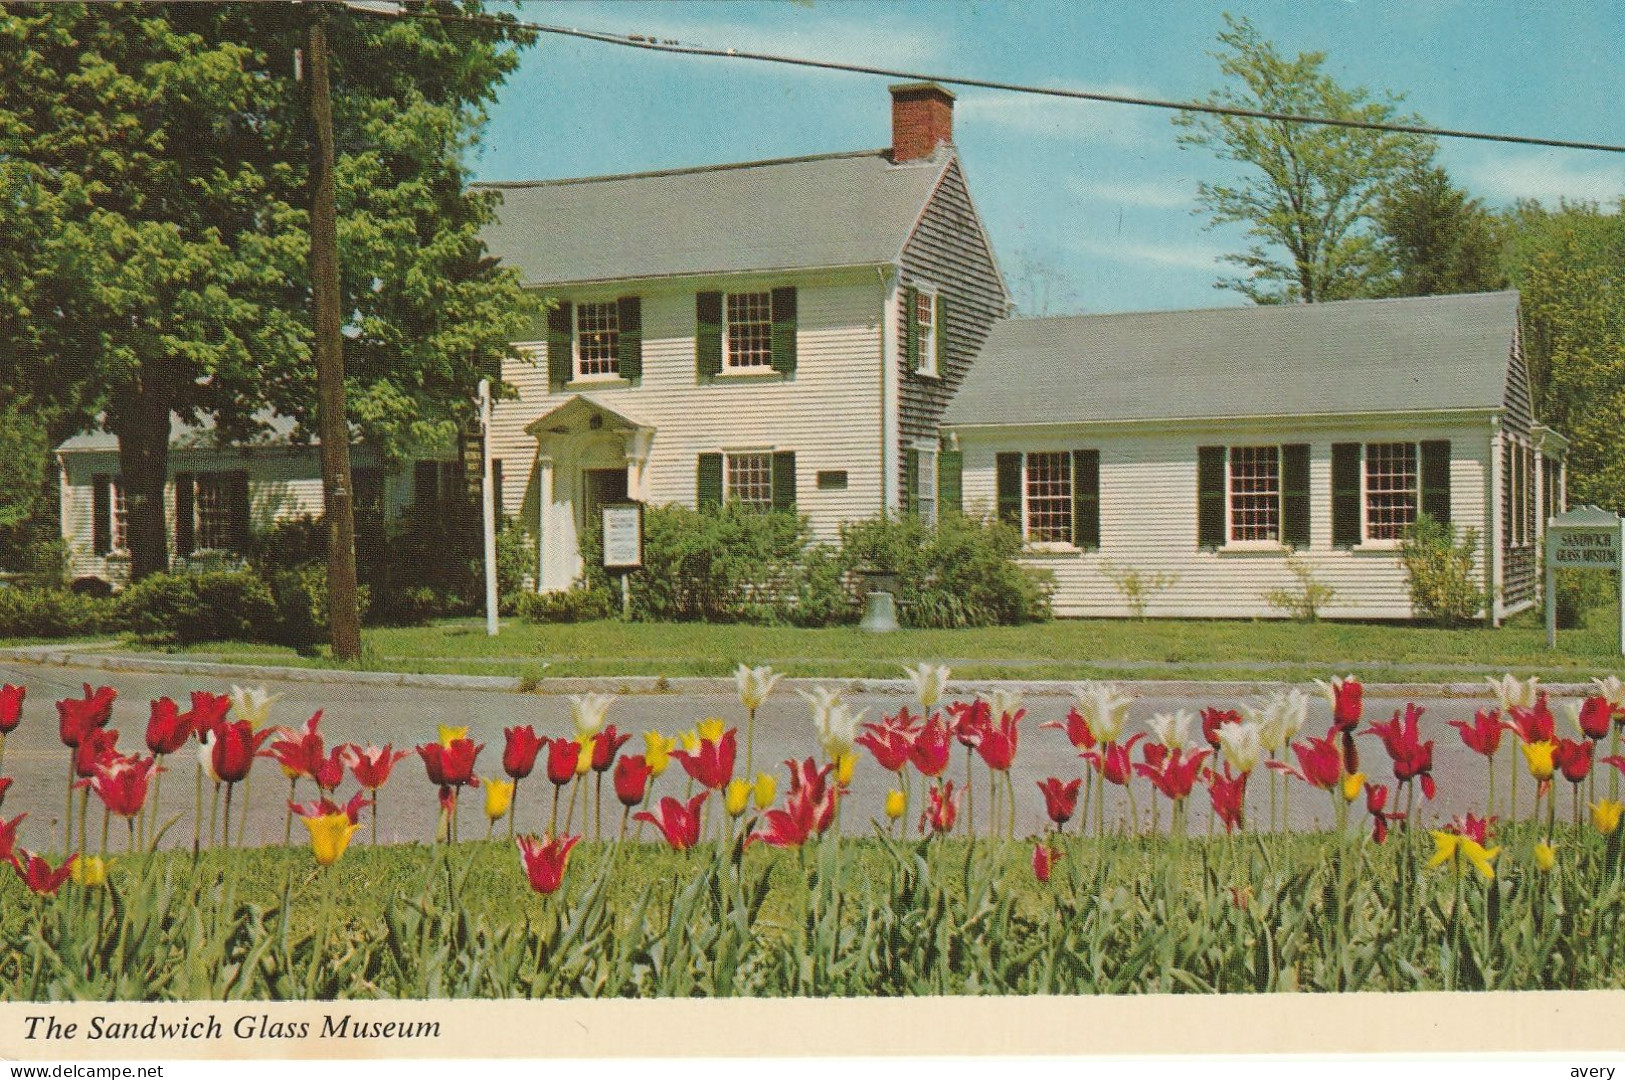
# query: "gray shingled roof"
[182,436]
[853,209]
[1422,353]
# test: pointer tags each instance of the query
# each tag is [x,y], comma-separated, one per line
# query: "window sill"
[1377,547]
[597,382]
[1255,547]
[763,375]
[1052,549]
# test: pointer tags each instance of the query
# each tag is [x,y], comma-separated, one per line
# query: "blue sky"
[1099,192]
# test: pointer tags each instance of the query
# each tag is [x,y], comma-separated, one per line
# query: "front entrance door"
[602,487]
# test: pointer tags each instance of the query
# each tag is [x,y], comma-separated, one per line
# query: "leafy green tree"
[1308,194]
[1439,239]
[156,157]
[1569,266]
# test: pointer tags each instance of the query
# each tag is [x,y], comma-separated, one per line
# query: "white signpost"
[623,546]
[1585,538]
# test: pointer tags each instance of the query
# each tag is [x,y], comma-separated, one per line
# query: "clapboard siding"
[828,412]
[949,251]
[1148,519]
[1520,565]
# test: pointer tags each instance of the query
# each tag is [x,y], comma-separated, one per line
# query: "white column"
[891,391]
[544,508]
[637,463]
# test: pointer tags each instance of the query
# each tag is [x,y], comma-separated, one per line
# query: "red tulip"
[1228,794]
[451,765]
[632,774]
[11,707]
[1114,761]
[1573,757]
[75,716]
[713,766]
[520,750]
[208,710]
[605,745]
[5,786]
[1321,761]
[942,807]
[1376,798]
[562,757]
[1060,800]
[37,874]
[544,863]
[678,822]
[1595,717]
[121,783]
[809,808]
[1347,701]
[371,766]
[168,728]
[1154,753]
[325,807]
[1533,725]
[971,721]
[1411,756]
[1616,762]
[1044,858]
[1483,735]
[1076,728]
[1213,718]
[94,745]
[1175,775]
[8,839]
[888,742]
[304,752]
[1473,827]
[998,743]
[234,748]
[931,748]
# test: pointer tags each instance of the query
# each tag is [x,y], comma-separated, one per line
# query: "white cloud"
[1185,256]
[1547,175]
[1067,118]
[1151,194]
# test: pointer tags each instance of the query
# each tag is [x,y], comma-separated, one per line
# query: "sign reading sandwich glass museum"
[1585,538]
[623,536]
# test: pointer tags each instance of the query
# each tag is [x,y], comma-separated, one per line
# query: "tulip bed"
[738,890]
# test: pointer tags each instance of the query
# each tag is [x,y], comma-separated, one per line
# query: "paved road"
[407,716]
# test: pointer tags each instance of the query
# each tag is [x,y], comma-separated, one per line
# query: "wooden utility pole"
[333,428]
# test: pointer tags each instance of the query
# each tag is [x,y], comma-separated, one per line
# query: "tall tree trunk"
[140,419]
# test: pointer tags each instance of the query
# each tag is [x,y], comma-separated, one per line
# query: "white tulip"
[838,730]
[930,683]
[1002,703]
[1266,717]
[253,705]
[205,753]
[1611,690]
[1294,712]
[1514,694]
[755,684]
[1103,708]
[820,699]
[1172,729]
[587,713]
[1241,745]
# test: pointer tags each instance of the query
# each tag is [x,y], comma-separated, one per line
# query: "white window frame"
[118,517]
[926,497]
[925,333]
[1385,543]
[729,458]
[1232,542]
[576,360]
[765,365]
[1026,502]
[215,484]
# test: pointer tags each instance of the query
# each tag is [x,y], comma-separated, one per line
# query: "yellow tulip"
[584,759]
[1352,785]
[1539,757]
[896,804]
[329,835]
[711,729]
[498,797]
[1451,848]
[843,769]
[1605,815]
[1545,857]
[657,751]
[91,872]
[766,790]
[449,735]
[690,741]
[737,797]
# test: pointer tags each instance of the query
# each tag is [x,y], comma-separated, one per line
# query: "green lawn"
[1069,649]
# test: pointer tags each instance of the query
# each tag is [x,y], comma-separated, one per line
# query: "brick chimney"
[922,118]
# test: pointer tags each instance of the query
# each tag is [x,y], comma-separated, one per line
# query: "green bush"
[49,613]
[1580,592]
[516,565]
[182,609]
[1441,572]
[299,603]
[580,604]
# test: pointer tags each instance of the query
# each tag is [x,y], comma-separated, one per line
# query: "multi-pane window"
[1255,493]
[749,321]
[750,478]
[213,515]
[1391,490]
[925,329]
[1049,497]
[926,485]
[118,517]
[598,331]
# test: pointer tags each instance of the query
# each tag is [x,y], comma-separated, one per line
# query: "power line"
[654,44]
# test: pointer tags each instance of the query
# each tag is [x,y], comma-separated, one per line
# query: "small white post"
[488,507]
[1551,588]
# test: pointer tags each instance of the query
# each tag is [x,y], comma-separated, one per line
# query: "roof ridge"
[1256,307]
[685,171]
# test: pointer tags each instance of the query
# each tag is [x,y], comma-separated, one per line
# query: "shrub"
[516,565]
[183,609]
[1305,601]
[1441,572]
[1137,587]
[580,604]
[299,607]
[1582,591]
[49,613]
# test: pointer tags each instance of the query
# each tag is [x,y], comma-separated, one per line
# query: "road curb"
[660,684]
